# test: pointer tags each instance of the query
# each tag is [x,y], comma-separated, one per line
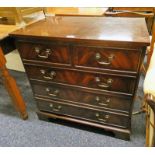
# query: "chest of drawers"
[85,70]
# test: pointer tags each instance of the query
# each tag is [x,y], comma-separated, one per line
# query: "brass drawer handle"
[103,103]
[106,63]
[104,85]
[104,119]
[59,107]
[53,94]
[51,76]
[46,53]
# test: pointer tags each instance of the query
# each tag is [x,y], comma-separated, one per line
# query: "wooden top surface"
[6,29]
[104,29]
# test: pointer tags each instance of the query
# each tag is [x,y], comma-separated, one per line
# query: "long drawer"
[94,99]
[105,58]
[45,52]
[101,117]
[91,80]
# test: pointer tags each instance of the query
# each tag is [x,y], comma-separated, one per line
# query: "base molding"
[118,132]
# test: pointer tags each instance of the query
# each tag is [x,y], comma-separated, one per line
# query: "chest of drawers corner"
[88,77]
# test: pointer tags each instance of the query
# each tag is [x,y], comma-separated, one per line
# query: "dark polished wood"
[107,58]
[90,80]
[53,52]
[90,99]
[76,111]
[119,133]
[87,29]
[85,70]
[145,12]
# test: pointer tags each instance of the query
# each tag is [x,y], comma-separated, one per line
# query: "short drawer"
[101,117]
[98,100]
[89,80]
[104,58]
[42,52]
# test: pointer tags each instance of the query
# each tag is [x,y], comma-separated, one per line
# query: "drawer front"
[102,58]
[52,53]
[90,80]
[101,117]
[101,101]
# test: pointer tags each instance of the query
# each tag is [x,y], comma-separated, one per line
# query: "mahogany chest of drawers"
[85,70]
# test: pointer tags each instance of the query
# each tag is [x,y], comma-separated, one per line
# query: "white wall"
[14,61]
